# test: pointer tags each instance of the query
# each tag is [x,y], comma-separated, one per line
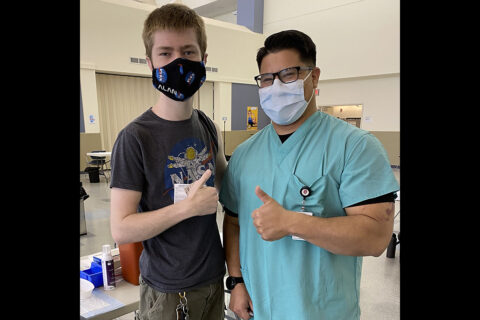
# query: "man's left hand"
[271,220]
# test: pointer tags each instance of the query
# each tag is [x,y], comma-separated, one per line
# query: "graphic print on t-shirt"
[187,162]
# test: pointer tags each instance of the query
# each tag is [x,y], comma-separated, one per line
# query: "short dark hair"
[289,39]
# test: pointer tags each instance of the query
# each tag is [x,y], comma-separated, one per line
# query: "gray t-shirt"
[150,155]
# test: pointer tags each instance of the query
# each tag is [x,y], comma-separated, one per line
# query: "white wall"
[89,99]
[354,38]
[358,52]
[223,104]
[379,96]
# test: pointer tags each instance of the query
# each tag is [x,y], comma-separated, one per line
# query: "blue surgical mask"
[284,103]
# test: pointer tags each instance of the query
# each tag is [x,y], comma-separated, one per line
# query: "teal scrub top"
[342,165]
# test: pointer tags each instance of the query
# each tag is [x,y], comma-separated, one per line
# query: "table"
[103,167]
[127,294]
[99,154]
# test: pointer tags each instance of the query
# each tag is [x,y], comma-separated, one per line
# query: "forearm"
[137,227]
[129,226]
[231,232]
[348,235]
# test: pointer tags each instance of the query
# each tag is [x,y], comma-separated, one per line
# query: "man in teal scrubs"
[305,198]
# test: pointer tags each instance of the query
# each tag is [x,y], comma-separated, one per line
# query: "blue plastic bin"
[97,260]
[94,274]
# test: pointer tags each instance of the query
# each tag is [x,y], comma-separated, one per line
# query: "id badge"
[180,192]
[298,238]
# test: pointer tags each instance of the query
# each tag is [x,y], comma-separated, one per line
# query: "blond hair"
[176,17]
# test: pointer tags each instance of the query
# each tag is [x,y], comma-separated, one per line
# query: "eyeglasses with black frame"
[286,76]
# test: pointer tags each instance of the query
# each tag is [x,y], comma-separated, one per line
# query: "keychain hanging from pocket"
[182,308]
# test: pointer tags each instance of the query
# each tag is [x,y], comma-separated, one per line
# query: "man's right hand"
[203,199]
[240,302]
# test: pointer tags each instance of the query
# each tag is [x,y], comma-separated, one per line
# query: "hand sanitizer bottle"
[108,269]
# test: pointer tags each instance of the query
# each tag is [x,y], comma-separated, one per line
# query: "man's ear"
[315,76]
[205,58]
[149,63]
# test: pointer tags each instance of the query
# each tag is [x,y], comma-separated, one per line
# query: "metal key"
[182,308]
[181,314]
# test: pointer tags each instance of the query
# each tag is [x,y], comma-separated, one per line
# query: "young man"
[302,211]
[167,165]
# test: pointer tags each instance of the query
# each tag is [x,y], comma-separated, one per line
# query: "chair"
[99,162]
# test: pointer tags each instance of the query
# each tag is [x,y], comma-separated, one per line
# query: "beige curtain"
[123,98]
[120,100]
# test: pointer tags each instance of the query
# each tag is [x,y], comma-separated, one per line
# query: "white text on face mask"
[173,91]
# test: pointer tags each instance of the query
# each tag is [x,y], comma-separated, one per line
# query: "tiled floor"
[379,287]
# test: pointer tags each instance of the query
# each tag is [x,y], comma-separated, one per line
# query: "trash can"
[93,174]
[129,260]
[83,196]
[392,245]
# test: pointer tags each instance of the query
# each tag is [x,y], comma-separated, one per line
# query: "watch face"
[230,283]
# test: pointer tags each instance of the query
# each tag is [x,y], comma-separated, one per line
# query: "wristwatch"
[231,282]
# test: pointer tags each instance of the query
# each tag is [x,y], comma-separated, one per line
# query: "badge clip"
[305,192]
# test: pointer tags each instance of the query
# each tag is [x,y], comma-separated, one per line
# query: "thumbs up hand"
[203,199]
[271,220]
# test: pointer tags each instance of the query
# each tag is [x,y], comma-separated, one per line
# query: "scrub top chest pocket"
[315,197]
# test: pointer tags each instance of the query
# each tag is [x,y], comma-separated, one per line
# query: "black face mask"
[180,79]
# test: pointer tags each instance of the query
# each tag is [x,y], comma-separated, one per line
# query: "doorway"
[349,113]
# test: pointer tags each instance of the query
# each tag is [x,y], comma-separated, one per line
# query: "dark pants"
[205,303]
